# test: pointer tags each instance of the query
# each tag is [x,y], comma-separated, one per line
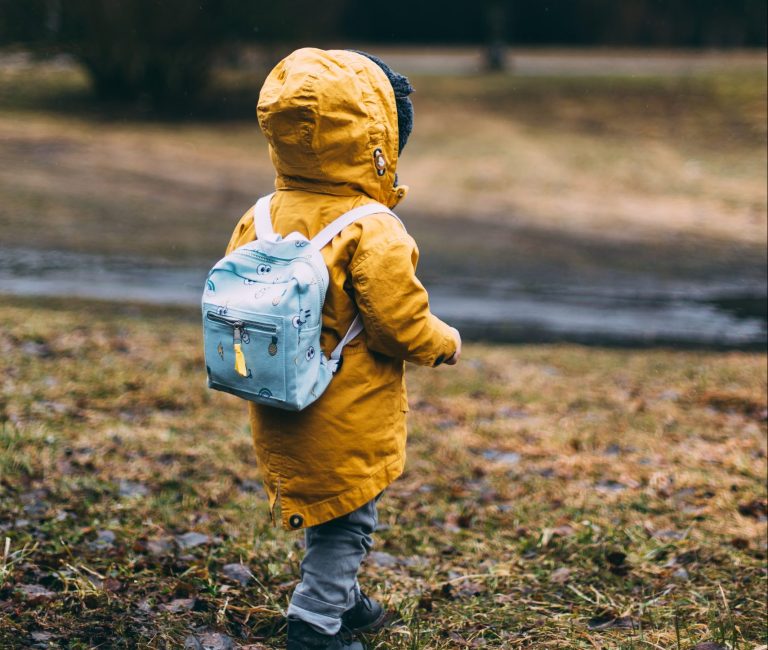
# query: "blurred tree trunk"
[496,35]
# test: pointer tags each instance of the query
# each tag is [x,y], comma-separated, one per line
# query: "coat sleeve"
[394,305]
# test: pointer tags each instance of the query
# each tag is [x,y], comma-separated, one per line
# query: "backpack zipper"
[242,325]
[240,335]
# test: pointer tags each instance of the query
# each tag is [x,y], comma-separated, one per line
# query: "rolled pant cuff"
[305,609]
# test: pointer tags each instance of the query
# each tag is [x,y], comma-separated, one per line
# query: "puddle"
[716,315]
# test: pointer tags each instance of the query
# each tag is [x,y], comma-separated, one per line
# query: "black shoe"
[302,636]
[366,615]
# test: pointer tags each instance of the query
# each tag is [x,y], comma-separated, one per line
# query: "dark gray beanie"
[402,88]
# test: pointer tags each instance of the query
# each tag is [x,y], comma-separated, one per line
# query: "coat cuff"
[448,345]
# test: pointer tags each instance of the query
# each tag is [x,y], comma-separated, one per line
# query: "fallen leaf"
[709,645]
[184,589]
[668,534]
[237,572]
[382,559]
[508,458]
[208,641]
[468,588]
[661,484]
[608,621]
[178,605]
[192,539]
[607,486]
[612,450]
[191,643]
[35,502]
[105,539]
[132,489]
[35,349]
[35,593]
[560,576]
[563,531]
[112,584]
[160,546]
[451,523]
[461,589]
[550,533]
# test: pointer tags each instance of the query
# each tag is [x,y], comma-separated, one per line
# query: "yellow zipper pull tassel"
[239,356]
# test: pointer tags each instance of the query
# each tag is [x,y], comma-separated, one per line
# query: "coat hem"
[338,506]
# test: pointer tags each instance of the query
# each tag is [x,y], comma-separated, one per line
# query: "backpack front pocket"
[246,356]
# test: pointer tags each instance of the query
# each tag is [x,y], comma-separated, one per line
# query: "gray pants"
[328,584]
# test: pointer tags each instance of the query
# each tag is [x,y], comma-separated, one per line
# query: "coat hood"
[330,118]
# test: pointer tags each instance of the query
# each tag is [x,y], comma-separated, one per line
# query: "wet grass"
[555,496]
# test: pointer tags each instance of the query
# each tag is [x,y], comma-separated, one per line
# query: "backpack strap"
[326,235]
[334,362]
[337,225]
[262,221]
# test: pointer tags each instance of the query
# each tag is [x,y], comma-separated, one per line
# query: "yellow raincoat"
[329,117]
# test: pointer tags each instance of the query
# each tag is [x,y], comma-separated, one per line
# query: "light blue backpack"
[262,315]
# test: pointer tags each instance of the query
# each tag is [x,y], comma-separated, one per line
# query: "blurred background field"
[605,152]
[579,172]
[616,176]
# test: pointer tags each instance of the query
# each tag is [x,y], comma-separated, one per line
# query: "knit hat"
[402,88]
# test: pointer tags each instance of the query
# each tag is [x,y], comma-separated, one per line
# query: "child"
[336,122]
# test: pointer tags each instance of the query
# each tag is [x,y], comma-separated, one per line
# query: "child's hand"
[455,358]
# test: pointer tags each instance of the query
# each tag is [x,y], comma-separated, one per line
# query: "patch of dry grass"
[555,497]
[637,158]
[613,157]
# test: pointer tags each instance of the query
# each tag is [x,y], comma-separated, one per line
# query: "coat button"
[296,521]
[380,162]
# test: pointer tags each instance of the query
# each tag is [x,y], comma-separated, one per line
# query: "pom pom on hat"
[402,88]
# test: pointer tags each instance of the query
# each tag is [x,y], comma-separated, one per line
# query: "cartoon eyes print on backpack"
[263,269]
[310,353]
[297,320]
